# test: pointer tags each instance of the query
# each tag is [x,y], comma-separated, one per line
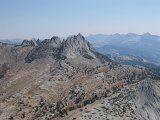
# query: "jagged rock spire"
[75,46]
[54,41]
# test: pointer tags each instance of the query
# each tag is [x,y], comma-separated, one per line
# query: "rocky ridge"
[72,47]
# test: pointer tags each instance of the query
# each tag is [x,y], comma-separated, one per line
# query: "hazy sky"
[45,18]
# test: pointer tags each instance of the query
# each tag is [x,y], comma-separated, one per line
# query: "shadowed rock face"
[28,43]
[48,47]
[55,42]
[3,69]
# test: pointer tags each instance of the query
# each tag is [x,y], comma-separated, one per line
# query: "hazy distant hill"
[146,45]
[12,41]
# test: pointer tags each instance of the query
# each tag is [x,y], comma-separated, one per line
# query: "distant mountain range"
[145,46]
[11,41]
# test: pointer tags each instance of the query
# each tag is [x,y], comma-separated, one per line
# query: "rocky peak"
[38,42]
[54,42]
[32,42]
[77,45]
[46,48]
[80,36]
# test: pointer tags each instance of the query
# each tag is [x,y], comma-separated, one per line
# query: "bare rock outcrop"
[47,48]
[77,45]
[28,43]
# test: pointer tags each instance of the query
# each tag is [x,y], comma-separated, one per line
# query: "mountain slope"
[139,101]
[62,80]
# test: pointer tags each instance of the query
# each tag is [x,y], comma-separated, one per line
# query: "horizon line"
[19,38]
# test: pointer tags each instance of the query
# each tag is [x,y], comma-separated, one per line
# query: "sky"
[46,18]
